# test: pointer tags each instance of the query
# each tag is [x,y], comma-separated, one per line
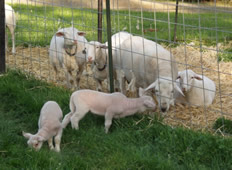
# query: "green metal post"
[2,37]
[109,46]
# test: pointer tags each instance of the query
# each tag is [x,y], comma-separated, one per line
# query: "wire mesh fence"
[198,35]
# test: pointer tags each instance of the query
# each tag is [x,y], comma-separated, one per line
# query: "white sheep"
[98,53]
[115,105]
[50,126]
[152,65]
[199,90]
[67,50]
[11,24]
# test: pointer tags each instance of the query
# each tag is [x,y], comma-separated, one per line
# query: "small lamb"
[49,126]
[199,90]
[115,105]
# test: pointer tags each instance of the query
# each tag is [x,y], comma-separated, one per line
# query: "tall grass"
[130,145]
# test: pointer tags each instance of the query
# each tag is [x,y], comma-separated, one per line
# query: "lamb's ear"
[178,89]
[103,46]
[60,34]
[40,139]
[178,77]
[197,77]
[141,92]
[27,135]
[152,85]
[81,33]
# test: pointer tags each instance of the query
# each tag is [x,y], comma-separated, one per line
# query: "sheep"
[50,125]
[11,24]
[98,53]
[198,89]
[114,105]
[67,50]
[152,65]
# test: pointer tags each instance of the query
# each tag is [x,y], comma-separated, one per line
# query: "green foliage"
[224,125]
[130,145]
[226,55]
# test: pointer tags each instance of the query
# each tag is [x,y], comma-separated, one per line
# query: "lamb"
[152,65]
[11,24]
[67,50]
[49,126]
[199,90]
[98,53]
[114,105]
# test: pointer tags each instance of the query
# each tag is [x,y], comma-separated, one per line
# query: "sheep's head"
[186,78]
[34,141]
[149,103]
[164,91]
[70,35]
[95,51]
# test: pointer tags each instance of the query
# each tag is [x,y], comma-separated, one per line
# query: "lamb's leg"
[50,144]
[108,121]
[78,76]
[76,117]
[99,85]
[58,139]
[69,77]
[6,41]
[11,28]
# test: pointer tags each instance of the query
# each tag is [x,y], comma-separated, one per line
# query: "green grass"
[226,55]
[127,146]
[37,24]
[224,125]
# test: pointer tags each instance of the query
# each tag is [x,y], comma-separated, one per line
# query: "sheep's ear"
[27,135]
[141,92]
[178,77]
[178,89]
[197,77]
[152,85]
[103,46]
[60,34]
[40,139]
[81,33]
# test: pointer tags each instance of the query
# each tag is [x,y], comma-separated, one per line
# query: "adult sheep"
[152,65]
[11,24]
[67,50]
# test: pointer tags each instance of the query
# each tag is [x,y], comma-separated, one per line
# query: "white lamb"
[199,90]
[153,66]
[115,105]
[67,50]
[11,24]
[49,126]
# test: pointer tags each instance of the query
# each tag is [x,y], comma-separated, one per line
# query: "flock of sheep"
[140,65]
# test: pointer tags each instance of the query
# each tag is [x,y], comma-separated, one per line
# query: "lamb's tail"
[68,116]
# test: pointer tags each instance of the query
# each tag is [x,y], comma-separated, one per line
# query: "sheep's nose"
[90,59]
[163,109]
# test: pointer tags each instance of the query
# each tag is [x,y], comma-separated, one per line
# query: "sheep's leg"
[78,76]
[108,121]
[69,78]
[76,117]
[99,85]
[58,139]
[50,144]
[6,41]
[11,28]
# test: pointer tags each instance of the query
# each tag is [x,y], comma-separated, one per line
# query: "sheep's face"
[34,141]
[164,91]
[70,35]
[186,79]
[96,51]
[149,102]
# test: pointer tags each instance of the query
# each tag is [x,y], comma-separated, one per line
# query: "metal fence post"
[176,19]
[2,37]
[100,5]
[109,45]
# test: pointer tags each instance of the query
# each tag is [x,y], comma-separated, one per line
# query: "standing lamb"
[199,90]
[67,50]
[49,126]
[152,65]
[115,105]
[11,24]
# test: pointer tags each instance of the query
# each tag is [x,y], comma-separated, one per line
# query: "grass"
[224,125]
[37,24]
[127,146]
[226,55]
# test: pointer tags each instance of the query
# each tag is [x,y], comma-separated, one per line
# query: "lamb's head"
[186,78]
[34,141]
[164,91]
[96,51]
[70,35]
[148,101]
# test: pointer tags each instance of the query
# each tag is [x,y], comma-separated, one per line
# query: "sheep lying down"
[115,105]
[49,126]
